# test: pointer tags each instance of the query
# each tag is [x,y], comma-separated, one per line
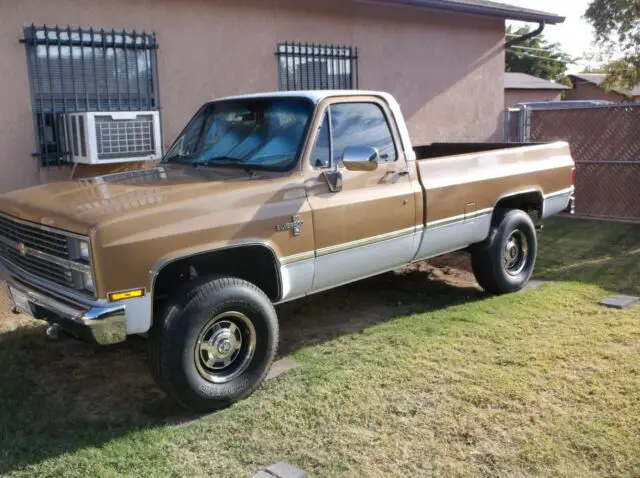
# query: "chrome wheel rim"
[516,252]
[225,347]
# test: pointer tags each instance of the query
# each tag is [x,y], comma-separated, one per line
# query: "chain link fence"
[605,144]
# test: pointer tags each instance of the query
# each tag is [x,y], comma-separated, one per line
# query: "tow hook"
[15,310]
[539,227]
[53,332]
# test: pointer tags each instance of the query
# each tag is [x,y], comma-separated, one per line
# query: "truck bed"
[438,150]
[463,182]
[460,178]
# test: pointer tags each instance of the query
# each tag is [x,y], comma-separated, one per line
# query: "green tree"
[536,56]
[617,26]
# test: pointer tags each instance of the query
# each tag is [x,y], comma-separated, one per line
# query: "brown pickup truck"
[261,200]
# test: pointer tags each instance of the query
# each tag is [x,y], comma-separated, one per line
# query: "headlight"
[83,249]
[80,253]
[87,281]
[79,250]
[83,280]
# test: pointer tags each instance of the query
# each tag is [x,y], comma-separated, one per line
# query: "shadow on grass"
[601,253]
[59,397]
[606,254]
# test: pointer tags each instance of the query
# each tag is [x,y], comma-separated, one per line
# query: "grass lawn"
[413,373]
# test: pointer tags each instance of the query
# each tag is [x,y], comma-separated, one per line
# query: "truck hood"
[81,204]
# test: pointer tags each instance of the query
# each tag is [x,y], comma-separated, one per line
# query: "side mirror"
[360,158]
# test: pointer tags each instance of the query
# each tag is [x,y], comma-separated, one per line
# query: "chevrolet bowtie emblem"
[22,249]
[295,226]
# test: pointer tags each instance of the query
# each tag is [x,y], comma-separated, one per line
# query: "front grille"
[38,267]
[36,238]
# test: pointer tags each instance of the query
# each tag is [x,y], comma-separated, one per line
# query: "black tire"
[179,343]
[489,258]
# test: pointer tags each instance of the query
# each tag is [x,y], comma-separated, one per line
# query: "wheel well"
[529,202]
[255,264]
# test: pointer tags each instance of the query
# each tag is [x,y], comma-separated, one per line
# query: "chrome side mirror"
[360,158]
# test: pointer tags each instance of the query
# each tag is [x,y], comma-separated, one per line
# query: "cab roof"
[315,96]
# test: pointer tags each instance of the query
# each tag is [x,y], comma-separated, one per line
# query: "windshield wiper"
[212,163]
[234,162]
[179,158]
[231,159]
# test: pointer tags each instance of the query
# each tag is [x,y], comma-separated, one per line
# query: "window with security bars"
[304,66]
[85,69]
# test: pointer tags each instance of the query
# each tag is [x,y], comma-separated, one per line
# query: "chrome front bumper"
[103,324]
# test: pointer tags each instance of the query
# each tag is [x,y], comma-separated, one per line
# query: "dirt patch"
[8,320]
[89,383]
[412,289]
[113,384]
[455,261]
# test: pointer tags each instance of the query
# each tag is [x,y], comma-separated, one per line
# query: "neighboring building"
[588,86]
[523,88]
[442,59]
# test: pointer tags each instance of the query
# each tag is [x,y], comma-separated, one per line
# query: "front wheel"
[215,343]
[505,261]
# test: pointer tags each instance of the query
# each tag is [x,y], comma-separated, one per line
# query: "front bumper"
[103,324]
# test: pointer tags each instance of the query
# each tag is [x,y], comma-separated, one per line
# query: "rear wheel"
[505,261]
[215,343]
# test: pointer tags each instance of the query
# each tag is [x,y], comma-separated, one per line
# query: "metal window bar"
[304,66]
[85,69]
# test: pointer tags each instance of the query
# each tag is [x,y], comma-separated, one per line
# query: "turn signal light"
[126,294]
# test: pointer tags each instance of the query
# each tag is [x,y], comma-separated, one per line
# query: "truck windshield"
[263,133]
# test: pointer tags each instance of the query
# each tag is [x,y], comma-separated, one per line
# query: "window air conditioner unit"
[112,136]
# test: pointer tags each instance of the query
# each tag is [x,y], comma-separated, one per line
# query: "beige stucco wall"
[513,97]
[589,91]
[445,69]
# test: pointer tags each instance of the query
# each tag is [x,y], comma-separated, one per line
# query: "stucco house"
[588,86]
[524,88]
[442,59]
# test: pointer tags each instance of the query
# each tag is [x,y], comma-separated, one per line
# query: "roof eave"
[581,77]
[542,88]
[497,12]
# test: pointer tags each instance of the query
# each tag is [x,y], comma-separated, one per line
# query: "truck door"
[367,223]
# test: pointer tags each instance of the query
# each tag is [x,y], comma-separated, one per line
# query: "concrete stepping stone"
[619,301]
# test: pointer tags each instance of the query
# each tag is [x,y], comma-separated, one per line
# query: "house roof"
[522,81]
[598,78]
[483,7]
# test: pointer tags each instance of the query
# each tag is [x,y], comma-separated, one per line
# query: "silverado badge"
[295,226]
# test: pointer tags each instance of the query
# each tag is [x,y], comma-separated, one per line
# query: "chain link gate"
[605,144]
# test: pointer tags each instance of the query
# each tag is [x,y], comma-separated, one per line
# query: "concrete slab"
[619,301]
[285,470]
[281,366]
[262,474]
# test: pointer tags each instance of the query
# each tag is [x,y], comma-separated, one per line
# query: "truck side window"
[321,154]
[361,124]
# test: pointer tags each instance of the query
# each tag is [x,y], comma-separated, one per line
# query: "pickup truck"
[264,199]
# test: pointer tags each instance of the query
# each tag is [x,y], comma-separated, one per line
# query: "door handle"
[401,171]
